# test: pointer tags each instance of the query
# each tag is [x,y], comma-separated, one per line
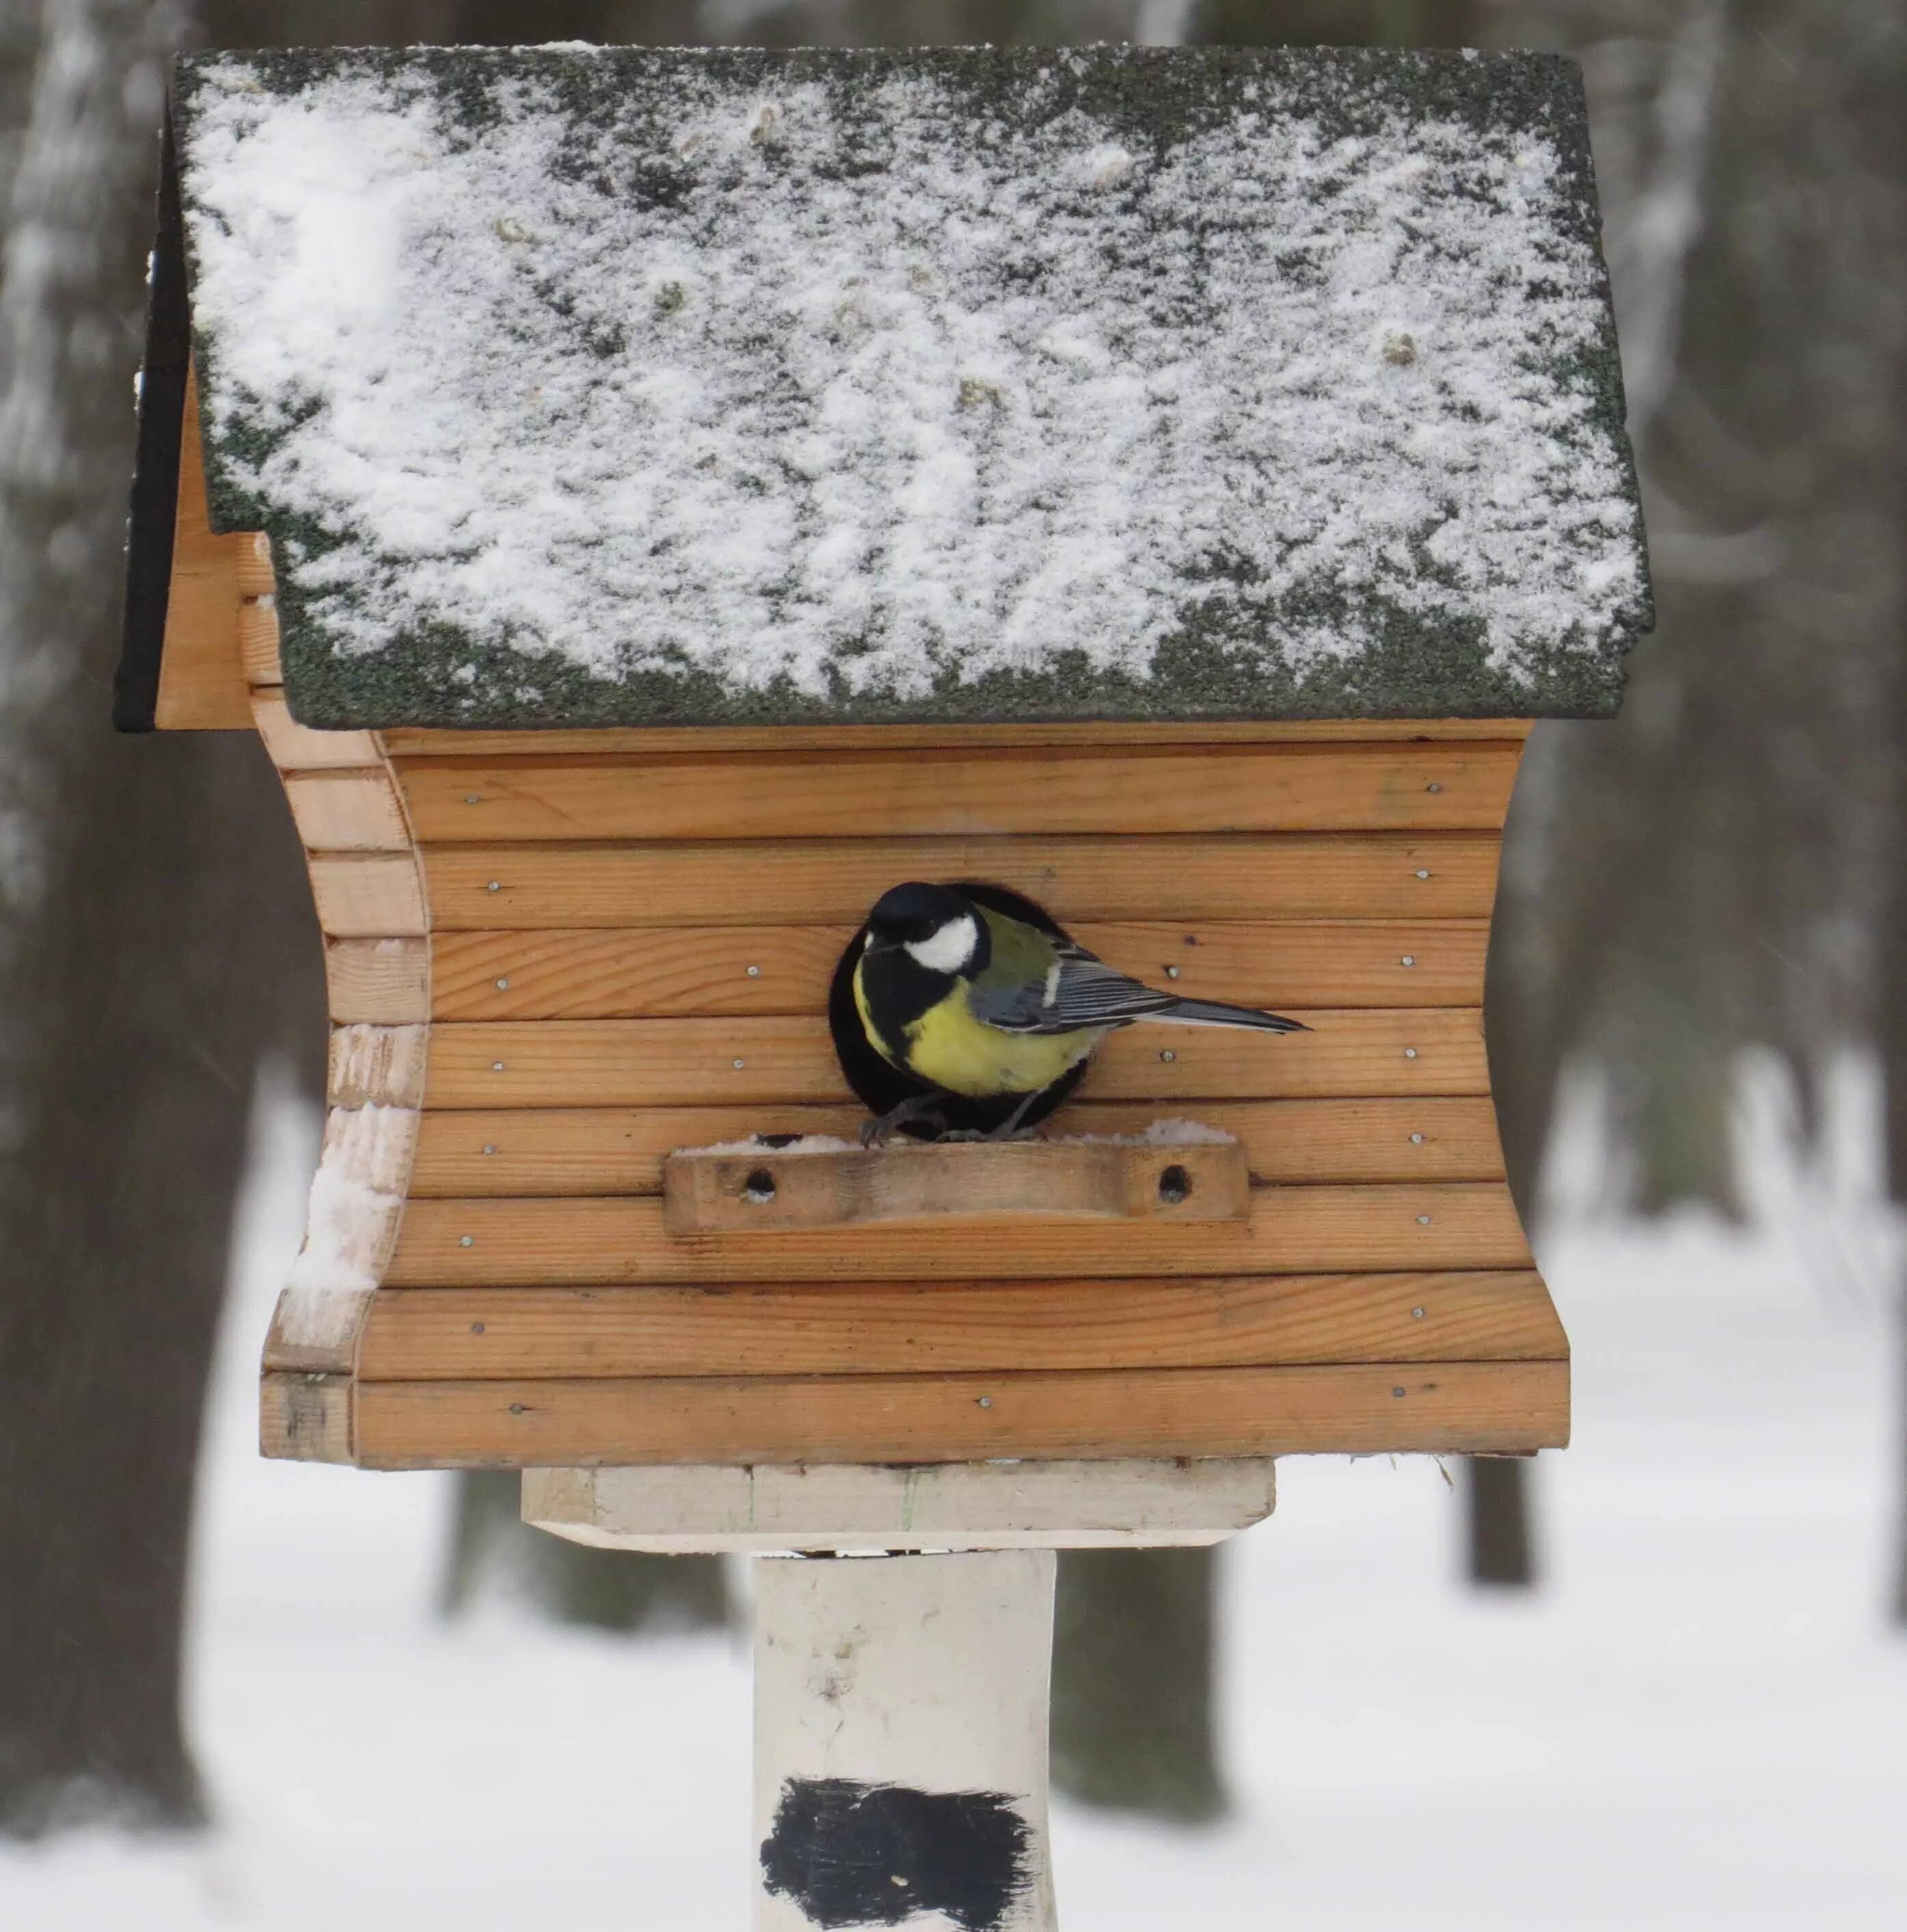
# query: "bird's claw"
[876,1133]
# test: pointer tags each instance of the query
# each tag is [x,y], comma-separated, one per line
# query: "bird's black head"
[940,928]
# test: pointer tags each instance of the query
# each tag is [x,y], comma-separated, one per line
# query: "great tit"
[966,1009]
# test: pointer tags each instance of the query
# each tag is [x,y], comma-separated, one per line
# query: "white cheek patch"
[948,950]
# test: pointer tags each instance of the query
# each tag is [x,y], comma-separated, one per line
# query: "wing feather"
[1085,992]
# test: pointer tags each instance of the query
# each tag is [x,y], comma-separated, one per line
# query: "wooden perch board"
[712,1191]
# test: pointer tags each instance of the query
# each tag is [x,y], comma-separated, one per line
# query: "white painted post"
[900,1720]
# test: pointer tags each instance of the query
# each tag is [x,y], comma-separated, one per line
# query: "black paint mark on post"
[853,1854]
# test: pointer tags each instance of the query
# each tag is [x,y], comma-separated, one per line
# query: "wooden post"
[900,1721]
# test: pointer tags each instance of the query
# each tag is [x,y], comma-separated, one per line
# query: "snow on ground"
[1701,1722]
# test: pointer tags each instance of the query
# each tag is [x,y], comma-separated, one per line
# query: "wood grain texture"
[911,794]
[257,577]
[804,882]
[288,1347]
[258,639]
[384,980]
[1488,1408]
[377,1065]
[305,1418]
[719,739]
[674,1508]
[575,1150]
[588,1242]
[355,811]
[684,1063]
[460,1334]
[706,1193]
[369,895]
[202,683]
[691,972]
[294,747]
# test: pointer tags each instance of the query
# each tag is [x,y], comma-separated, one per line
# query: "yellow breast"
[949,1048]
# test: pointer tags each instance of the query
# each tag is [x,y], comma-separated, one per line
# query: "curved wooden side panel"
[369,888]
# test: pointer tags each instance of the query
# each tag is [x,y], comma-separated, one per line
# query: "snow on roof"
[624,386]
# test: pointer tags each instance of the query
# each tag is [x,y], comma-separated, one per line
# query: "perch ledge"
[1175,1170]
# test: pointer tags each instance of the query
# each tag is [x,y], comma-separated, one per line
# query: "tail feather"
[1215,1013]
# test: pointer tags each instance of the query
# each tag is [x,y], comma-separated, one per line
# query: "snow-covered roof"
[618,386]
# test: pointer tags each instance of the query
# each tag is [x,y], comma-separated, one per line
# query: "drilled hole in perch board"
[759,1187]
[1174,1186]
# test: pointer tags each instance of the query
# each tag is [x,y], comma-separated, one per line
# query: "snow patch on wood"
[378,1065]
[357,1200]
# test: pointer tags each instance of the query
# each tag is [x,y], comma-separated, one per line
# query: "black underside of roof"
[153,520]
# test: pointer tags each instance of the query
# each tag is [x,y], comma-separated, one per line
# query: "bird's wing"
[1076,992]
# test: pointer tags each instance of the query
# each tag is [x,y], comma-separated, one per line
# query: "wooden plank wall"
[630,947]
[558,956]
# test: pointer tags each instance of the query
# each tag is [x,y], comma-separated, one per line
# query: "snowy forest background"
[1669,1671]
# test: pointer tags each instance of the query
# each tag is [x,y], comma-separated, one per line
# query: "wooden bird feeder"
[649,504]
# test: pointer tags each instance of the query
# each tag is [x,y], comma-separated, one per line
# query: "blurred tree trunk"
[1501,1553]
[1133,1682]
[1893,1037]
[154,926]
[494,1553]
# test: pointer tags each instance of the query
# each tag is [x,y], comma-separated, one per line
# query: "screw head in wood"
[496,1067]
[1433,786]
[1417,1315]
[1417,1140]
[495,886]
[754,972]
[1408,959]
[1169,1055]
[1423,1220]
[517,1408]
[503,985]
[1422,874]
[1410,1053]
[1397,1391]
[476,1328]
[490,1147]
[738,1064]
[1171,972]
[466,1240]
[986,1401]
[471,798]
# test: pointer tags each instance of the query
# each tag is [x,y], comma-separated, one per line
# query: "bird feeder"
[650,503]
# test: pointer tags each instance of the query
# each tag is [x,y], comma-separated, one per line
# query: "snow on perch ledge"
[1176,1170]
[604,386]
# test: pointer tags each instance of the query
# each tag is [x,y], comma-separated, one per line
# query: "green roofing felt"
[582,386]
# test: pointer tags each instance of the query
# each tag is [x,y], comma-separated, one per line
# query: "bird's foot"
[877,1133]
